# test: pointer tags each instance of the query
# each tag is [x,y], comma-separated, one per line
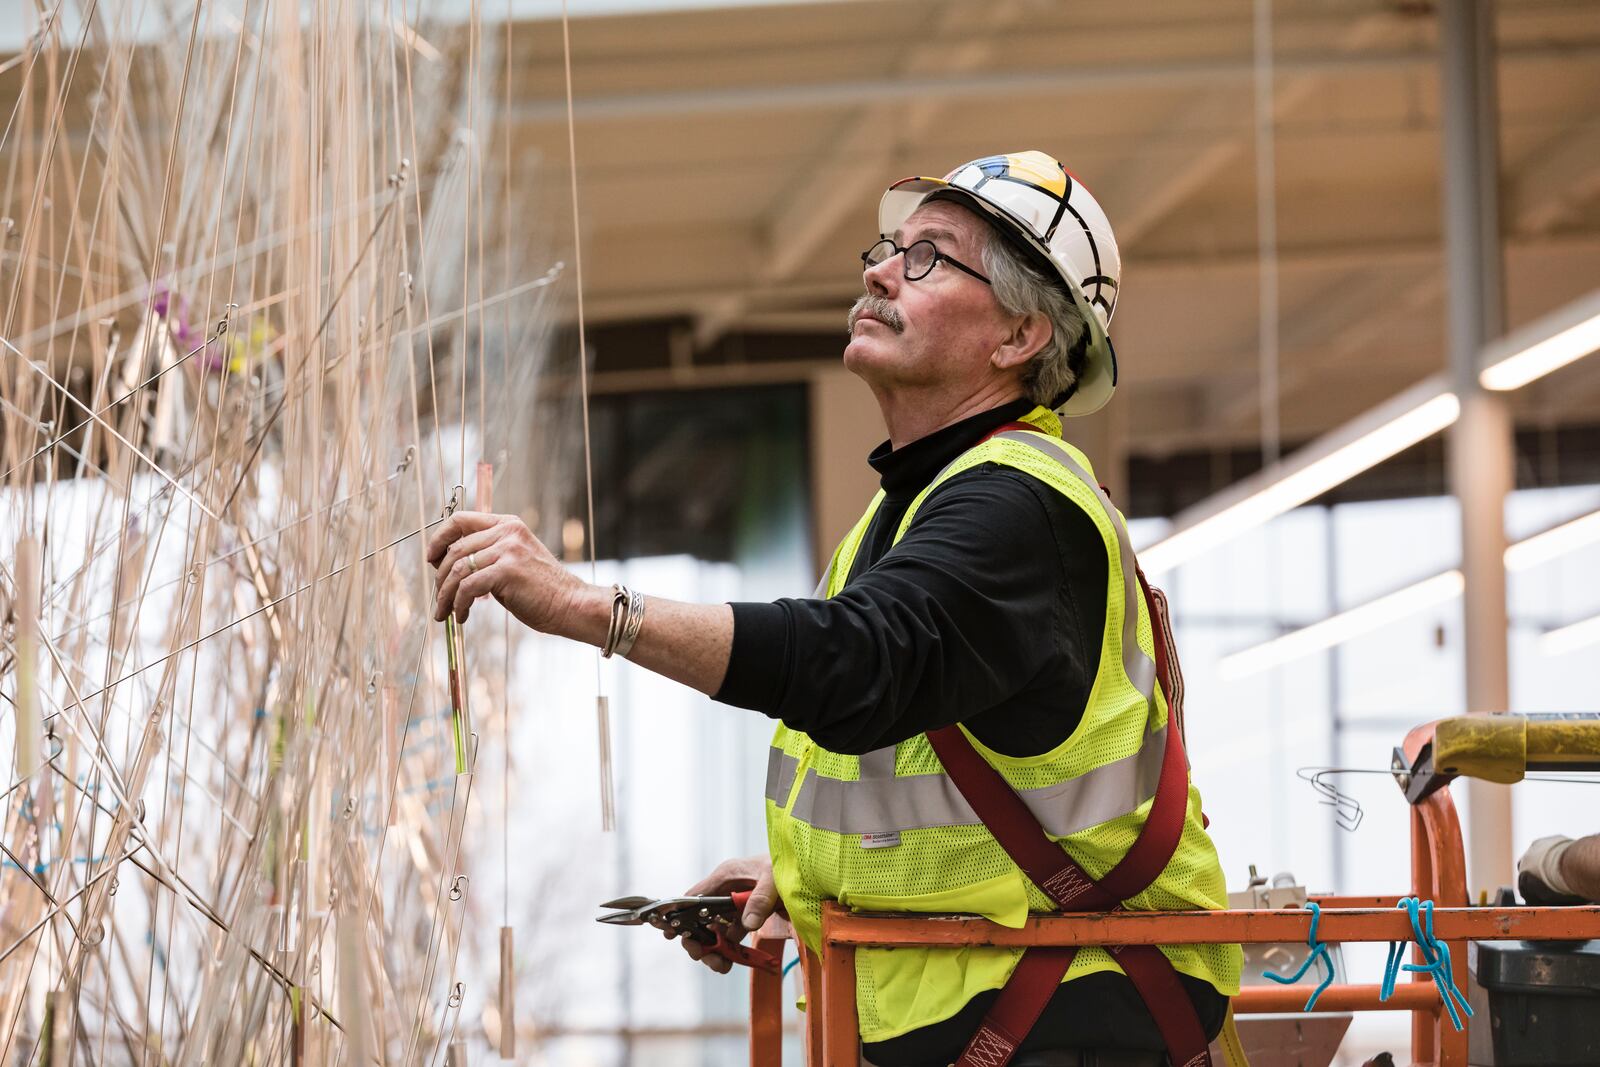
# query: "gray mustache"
[878,308]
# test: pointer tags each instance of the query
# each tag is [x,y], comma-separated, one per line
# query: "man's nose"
[883,279]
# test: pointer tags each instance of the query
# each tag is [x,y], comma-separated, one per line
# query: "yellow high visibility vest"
[888,831]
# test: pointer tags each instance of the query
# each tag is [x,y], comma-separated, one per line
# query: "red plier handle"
[750,957]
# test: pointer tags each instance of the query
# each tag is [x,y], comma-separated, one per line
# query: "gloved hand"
[1539,876]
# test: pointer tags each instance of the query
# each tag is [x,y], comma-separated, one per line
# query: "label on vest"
[882,839]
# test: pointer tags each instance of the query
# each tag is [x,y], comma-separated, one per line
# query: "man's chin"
[864,351]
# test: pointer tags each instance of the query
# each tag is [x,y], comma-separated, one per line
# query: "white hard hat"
[1036,201]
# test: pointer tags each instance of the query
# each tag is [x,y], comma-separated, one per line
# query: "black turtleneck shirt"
[989,612]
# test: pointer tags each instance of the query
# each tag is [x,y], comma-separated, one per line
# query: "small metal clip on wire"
[458,886]
[1347,810]
[56,741]
[456,993]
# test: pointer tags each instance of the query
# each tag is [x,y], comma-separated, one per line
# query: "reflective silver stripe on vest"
[879,763]
[1140,667]
[878,803]
[780,775]
[781,766]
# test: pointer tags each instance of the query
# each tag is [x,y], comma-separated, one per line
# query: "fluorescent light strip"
[1546,344]
[1556,541]
[1336,629]
[1335,458]
[1571,638]
[1520,357]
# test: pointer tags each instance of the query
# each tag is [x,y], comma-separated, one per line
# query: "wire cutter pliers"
[707,920]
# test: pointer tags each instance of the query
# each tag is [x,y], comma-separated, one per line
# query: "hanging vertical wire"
[1266,235]
[1267,305]
[25,608]
[1268,311]
[508,967]
[608,817]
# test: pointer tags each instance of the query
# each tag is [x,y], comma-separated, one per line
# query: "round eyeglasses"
[920,258]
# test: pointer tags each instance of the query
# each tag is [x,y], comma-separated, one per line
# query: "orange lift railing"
[1438,873]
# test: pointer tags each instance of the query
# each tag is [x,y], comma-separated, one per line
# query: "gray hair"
[1024,289]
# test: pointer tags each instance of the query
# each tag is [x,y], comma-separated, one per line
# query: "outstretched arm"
[477,554]
[1563,866]
[1580,866]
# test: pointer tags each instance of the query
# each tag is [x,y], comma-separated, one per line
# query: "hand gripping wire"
[1318,954]
[1436,955]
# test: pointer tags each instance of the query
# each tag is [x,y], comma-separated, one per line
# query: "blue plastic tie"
[789,967]
[1436,954]
[1318,955]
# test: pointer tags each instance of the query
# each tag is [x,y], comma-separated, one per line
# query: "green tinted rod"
[460,719]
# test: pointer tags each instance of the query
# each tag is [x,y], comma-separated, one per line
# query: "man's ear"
[1029,333]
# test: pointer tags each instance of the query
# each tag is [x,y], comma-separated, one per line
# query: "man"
[990,585]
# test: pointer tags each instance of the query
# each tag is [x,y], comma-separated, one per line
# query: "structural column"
[1103,437]
[1481,447]
[845,425]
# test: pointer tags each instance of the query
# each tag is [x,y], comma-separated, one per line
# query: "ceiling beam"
[1140,196]
[1324,330]
[1083,78]
[1566,177]
[816,203]
[1551,182]
[632,301]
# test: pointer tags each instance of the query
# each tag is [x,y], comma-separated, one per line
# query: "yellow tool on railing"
[1496,748]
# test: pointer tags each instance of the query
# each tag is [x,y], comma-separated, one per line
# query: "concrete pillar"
[845,426]
[1481,446]
[1103,437]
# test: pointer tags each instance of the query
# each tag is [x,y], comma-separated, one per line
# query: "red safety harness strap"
[1048,865]
[1163,994]
[1018,1007]
[1015,828]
